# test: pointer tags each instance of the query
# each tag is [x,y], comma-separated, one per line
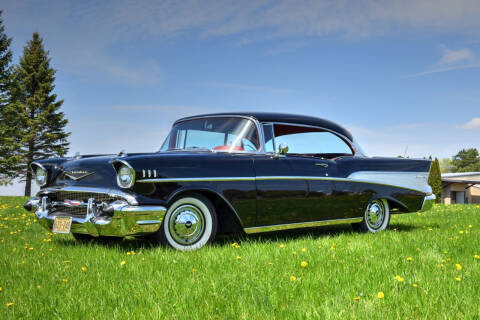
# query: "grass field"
[426,266]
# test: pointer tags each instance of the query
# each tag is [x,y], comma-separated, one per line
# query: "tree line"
[32,127]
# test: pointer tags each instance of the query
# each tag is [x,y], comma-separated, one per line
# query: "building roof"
[461,177]
[460,174]
[284,117]
[461,181]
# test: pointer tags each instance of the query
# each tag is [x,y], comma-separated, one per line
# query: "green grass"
[41,273]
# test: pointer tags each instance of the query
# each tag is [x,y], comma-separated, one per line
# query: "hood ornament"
[77,174]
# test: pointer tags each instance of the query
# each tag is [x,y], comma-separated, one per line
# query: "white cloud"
[286,18]
[472,124]
[451,60]
[453,57]
[85,34]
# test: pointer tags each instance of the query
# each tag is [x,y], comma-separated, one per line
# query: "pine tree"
[8,159]
[466,160]
[38,120]
[435,180]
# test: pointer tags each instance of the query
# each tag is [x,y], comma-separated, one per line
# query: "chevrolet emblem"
[77,174]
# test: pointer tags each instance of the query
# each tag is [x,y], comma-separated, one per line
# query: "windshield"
[227,134]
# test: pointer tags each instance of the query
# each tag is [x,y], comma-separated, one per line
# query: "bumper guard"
[125,219]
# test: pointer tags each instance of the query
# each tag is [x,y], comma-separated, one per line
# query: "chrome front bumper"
[125,219]
[428,202]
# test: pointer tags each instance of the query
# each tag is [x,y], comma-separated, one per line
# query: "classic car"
[226,173]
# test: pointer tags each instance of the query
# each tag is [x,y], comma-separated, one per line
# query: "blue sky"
[401,75]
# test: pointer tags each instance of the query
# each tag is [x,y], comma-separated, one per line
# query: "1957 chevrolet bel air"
[232,172]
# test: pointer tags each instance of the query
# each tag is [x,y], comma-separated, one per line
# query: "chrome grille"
[81,211]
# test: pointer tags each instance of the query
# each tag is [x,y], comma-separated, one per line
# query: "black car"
[229,172]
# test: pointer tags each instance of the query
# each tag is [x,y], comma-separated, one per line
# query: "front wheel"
[189,224]
[376,217]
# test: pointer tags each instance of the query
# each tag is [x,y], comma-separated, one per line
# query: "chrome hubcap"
[375,214]
[187,224]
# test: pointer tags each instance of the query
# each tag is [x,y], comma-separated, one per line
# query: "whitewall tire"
[376,217]
[189,224]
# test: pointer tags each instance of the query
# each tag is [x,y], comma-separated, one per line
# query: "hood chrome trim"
[128,197]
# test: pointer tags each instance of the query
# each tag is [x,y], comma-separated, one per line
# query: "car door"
[292,188]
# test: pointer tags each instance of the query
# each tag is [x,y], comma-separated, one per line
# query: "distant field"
[426,266]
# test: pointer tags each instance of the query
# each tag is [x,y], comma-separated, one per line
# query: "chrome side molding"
[403,180]
[278,227]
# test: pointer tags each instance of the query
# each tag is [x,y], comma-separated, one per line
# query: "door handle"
[321,164]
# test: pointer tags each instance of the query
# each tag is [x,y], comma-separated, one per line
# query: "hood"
[99,170]
[87,171]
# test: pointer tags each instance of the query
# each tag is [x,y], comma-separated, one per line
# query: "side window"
[269,138]
[311,141]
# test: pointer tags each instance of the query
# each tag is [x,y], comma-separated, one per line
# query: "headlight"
[125,176]
[41,176]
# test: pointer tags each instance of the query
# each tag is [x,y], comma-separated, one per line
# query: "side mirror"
[282,150]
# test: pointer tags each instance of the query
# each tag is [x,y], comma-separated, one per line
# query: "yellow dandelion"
[304,249]
[380,295]
[409,259]
[470,226]
[10,304]
[294,252]
[239,257]
[270,263]
[459,266]
[304,264]
[476,256]
[64,280]
[143,259]
[235,245]
[458,279]
[415,285]
[399,278]
[282,246]
[84,269]
[293,278]
[122,263]
[461,232]
[128,253]
[356,298]
[430,229]
[0,289]
[194,270]
[38,287]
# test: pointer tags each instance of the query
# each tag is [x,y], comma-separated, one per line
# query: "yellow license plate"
[62,224]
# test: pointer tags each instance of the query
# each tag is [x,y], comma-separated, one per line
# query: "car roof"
[281,117]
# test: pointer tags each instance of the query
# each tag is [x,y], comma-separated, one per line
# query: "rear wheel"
[376,217]
[189,224]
